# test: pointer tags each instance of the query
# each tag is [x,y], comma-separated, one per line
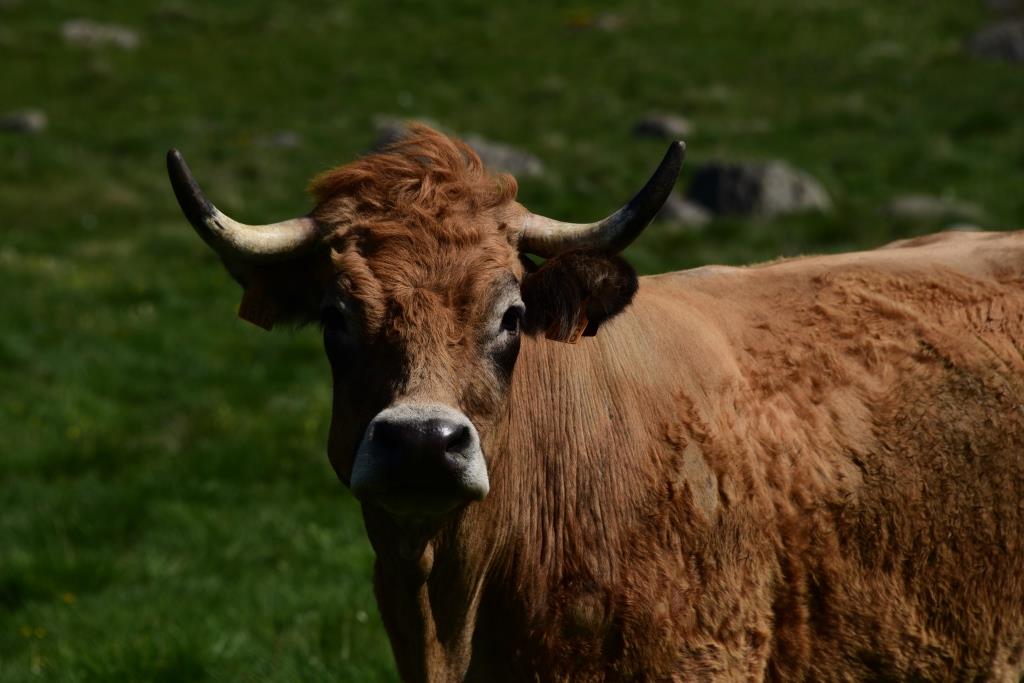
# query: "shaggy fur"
[804,471]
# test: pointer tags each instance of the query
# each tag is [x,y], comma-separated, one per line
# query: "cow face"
[422,338]
[412,263]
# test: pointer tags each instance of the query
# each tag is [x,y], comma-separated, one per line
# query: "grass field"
[168,513]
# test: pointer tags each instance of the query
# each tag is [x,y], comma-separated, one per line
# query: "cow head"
[413,262]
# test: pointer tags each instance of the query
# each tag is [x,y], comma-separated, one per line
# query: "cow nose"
[420,459]
[438,440]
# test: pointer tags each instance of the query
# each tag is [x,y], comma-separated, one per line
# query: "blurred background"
[167,512]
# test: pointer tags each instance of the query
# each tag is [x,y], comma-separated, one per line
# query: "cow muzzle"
[419,460]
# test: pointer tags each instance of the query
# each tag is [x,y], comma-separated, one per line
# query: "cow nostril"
[446,436]
[391,435]
[459,439]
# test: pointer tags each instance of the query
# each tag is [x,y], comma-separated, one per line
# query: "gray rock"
[756,189]
[501,157]
[682,213]
[663,126]
[608,22]
[923,207]
[1003,40]
[24,121]
[1005,6]
[88,33]
[497,156]
[386,130]
[282,139]
[389,129]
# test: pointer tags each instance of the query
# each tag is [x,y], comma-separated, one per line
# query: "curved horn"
[547,237]
[229,238]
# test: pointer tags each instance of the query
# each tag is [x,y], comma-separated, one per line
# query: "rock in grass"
[663,126]
[1003,40]
[682,213]
[608,22]
[502,157]
[282,139]
[495,155]
[1005,6]
[24,121]
[89,33]
[924,207]
[756,189]
[390,129]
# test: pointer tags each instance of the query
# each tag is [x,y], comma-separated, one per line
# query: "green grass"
[168,513]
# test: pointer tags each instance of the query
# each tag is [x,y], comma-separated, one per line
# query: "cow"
[807,470]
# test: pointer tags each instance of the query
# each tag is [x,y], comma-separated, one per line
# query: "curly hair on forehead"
[424,177]
[423,212]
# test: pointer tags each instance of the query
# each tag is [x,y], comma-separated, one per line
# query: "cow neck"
[572,452]
[429,582]
[568,451]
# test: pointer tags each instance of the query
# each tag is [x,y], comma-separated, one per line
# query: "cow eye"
[334,321]
[511,319]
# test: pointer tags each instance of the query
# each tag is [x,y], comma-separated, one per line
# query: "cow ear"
[573,294]
[281,293]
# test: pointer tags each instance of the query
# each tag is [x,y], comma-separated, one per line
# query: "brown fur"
[808,470]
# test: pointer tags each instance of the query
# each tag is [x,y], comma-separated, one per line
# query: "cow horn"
[547,237]
[234,241]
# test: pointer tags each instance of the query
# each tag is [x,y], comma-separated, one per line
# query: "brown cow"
[806,470]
